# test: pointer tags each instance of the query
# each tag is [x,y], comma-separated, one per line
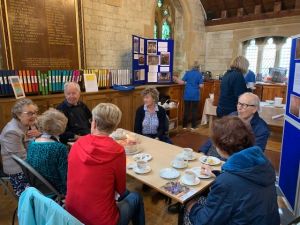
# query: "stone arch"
[186,33]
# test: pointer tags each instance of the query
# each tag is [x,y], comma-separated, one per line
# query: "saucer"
[197,171]
[184,181]
[139,171]
[131,165]
[138,150]
[179,167]
[186,158]
[169,173]
[142,156]
[210,160]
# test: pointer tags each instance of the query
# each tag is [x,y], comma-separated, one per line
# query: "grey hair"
[72,83]
[254,99]
[107,117]
[17,109]
[52,122]
[153,92]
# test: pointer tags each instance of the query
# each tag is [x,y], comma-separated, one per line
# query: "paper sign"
[142,45]
[136,56]
[90,82]
[164,69]
[296,87]
[162,46]
[153,69]
[152,77]
[17,87]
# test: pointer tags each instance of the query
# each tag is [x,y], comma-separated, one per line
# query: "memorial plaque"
[43,34]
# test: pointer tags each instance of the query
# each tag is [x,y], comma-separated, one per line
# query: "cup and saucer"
[188,154]
[142,167]
[179,162]
[190,178]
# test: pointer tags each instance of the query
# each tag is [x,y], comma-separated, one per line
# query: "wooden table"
[267,111]
[163,154]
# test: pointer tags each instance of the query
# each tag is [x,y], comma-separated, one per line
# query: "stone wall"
[224,42]
[109,25]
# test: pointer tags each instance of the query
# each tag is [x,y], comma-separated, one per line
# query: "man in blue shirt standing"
[250,80]
[193,82]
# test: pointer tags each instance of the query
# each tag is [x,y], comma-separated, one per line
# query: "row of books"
[108,77]
[53,81]
[37,82]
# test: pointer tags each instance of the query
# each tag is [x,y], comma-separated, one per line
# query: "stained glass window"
[268,57]
[166,31]
[285,55]
[164,19]
[251,55]
[155,30]
[159,3]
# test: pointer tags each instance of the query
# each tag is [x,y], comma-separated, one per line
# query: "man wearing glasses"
[247,110]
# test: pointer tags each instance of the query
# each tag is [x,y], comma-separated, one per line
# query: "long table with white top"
[163,154]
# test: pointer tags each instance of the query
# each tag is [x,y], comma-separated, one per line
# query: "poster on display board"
[289,177]
[155,58]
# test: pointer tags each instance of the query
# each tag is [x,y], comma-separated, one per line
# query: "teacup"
[141,165]
[190,176]
[180,162]
[131,148]
[188,153]
[277,101]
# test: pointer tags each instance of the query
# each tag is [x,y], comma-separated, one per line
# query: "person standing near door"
[193,82]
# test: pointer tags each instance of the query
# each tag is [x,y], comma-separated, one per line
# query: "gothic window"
[164,20]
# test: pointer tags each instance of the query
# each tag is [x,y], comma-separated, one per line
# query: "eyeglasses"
[31,113]
[244,105]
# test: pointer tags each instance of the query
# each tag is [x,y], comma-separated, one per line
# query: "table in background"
[163,154]
[266,112]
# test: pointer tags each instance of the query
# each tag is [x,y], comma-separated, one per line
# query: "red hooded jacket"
[96,171]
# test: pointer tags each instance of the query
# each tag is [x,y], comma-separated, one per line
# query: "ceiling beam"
[297,4]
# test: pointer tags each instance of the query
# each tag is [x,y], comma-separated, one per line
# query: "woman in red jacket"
[97,173]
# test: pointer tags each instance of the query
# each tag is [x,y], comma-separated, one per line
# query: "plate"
[197,171]
[138,150]
[270,101]
[179,167]
[139,171]
[186,158]
[210,160]
[279,106]
[169,173]
[184,181]
[142,156]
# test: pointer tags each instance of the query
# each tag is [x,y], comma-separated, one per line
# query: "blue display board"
[290,153]
[152,60]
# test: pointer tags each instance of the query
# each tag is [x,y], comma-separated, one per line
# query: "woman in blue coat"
[232,86]
[244,192]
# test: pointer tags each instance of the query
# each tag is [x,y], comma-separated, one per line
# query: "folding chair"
[35,179]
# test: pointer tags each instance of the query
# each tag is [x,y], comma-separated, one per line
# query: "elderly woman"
[244,192]
[232,86]
[46,154]
[151,119]
[76,111]
[14,140]
[97,172]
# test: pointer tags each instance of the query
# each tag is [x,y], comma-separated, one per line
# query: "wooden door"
[207,88]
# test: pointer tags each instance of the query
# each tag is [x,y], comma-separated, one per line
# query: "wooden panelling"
[128,102]
[271,91]
[207,88]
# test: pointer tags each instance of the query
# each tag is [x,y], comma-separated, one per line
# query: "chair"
[35,179]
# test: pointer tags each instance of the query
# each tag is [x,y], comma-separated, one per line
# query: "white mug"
[188,152]
[141,165]
[277,101]
[179,161]
[190,176]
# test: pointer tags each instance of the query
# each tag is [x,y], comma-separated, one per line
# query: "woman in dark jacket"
[244,193]
[151,119]
[232,86]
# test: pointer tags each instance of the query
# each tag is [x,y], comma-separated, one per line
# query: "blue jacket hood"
[252,165]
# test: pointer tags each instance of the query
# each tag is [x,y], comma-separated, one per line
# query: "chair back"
[35,179]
